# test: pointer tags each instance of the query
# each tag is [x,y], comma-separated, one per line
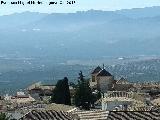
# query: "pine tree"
[83,95]
[61,93]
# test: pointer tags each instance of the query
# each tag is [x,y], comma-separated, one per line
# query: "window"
[93,79]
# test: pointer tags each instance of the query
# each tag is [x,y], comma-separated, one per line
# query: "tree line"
[82,97]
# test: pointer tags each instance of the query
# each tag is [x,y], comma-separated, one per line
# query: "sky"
[79,5]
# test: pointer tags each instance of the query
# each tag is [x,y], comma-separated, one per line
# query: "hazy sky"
[80,5]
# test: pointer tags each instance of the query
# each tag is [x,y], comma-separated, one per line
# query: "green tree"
[61,93]
[66,90]
[83,93]
[3,116]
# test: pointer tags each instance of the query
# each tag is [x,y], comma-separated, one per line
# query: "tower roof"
[104,73]
[96,70]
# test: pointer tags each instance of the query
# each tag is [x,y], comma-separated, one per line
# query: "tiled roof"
[59,107]
[133,115]
[117,115]
[91,115]
[47,115]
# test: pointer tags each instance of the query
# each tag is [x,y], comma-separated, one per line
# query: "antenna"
[103,65]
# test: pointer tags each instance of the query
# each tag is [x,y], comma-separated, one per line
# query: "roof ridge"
[104,72]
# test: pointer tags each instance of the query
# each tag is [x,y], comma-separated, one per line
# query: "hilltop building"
[101,80]
[104,81]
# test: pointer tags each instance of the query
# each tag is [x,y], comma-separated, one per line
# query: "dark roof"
[104,73]
[96,70]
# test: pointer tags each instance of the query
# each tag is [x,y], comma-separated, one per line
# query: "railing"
[118,94]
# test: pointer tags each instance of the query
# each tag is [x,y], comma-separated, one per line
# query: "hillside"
[45,47]
[89,34]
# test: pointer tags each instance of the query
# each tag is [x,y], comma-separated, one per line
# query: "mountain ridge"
[89,34]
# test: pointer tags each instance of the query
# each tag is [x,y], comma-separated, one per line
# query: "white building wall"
[110,105]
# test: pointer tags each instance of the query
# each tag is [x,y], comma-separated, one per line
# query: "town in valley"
[99,97]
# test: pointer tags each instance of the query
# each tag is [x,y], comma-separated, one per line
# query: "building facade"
[101,80]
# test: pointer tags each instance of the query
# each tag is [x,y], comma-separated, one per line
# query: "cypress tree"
[67,96]
[61,93]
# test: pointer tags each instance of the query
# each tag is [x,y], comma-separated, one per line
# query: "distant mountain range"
[84,34]
[47,47]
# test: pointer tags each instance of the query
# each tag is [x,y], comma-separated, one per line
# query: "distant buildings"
[39,91]
[103,80]
[21,98]
[119,98]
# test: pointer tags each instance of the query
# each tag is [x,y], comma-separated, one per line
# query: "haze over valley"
[47,47]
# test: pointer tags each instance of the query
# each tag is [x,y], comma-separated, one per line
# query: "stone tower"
[101,80]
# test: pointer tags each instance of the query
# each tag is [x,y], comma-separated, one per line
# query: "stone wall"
[105,83]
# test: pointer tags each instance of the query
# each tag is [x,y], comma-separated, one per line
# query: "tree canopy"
[83,94]
[61,93]
[3,116]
